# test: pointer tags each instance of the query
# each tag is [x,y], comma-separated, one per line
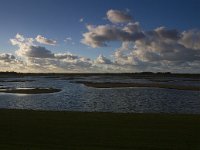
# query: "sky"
[100,36]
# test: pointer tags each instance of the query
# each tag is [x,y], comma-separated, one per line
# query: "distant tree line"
[159,74]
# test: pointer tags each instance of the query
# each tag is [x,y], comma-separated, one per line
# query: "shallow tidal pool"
[68,93]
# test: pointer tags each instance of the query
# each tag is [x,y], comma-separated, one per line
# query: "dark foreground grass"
[31,130]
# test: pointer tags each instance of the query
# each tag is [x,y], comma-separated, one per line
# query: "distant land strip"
[154,85]
[131,74]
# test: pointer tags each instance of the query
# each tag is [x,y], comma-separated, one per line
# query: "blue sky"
[60,19]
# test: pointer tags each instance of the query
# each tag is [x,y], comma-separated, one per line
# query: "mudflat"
[151,85]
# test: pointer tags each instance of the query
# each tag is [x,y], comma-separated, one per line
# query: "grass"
[32,130]
[154,85]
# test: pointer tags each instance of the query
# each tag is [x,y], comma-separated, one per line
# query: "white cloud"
[191,39]
[39,59]
[81,19]
[116,16]
[20,40]
[9,62]
[28,49]
[102,60]
[132,27]
[69,40]
[65,63]
[43,40]
[65,56]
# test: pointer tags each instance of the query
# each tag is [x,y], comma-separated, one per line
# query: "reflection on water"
[77,97]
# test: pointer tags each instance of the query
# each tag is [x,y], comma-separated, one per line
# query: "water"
[77,97]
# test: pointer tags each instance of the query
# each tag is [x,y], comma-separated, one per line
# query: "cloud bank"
[40,59]
[159,49]
[30,57]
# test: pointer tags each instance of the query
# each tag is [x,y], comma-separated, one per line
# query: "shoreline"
[38,129]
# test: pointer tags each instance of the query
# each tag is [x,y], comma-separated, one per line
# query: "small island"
[29,90]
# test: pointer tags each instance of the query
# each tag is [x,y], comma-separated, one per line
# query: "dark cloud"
[172,34]
[7,57]
[99,35]
[35,51]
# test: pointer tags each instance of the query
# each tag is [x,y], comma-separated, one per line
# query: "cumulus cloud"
[165,45]
[132,27]
[20,40]
[116,16]
[123,55]
[191,39]
[98,36]
[43,40]
[28,49]
[34,51]
[7,57]
[102,60]
[61,63]
[39,59]
[9,62]
[165,33]
[160,49]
